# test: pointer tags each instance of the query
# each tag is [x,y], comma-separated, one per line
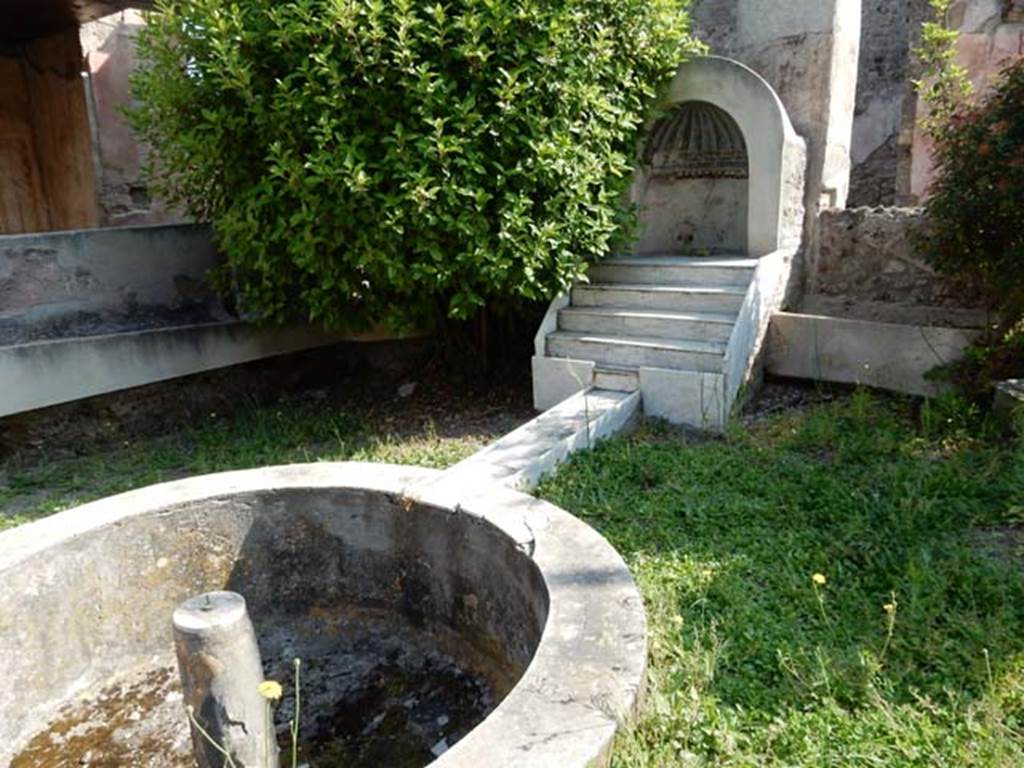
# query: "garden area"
[838,585]
[510,382]
[837,582]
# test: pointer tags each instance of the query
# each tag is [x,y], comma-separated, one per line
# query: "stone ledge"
[45,373]
[883,355]
[521,458]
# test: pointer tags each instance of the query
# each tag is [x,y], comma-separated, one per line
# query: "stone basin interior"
[412,623]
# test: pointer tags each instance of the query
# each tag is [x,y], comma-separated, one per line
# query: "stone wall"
[871,255]
[807,50]
[881,145]
[109,47]
[891,156]
[696,216]
[98,281]
[991,35]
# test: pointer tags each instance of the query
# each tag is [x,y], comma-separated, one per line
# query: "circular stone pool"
[435,626]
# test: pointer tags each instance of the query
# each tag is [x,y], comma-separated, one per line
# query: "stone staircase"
[670,316]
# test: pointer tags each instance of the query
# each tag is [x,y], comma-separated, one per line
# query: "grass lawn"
[841,585]
[837,587]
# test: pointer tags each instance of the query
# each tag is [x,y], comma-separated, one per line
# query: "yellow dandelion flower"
[819,579]
[270,690]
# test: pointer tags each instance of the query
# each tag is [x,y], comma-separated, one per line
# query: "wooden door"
[46,167]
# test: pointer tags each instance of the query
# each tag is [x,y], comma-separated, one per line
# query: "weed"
[271,692]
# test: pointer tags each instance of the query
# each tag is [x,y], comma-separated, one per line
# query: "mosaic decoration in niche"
[697,141]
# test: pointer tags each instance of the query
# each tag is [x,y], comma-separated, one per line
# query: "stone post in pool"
[221,671]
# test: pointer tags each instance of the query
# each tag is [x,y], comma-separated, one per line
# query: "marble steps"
[731,271]
[654,323]
[660,326]
[638,351]
[613,378]
[675,298]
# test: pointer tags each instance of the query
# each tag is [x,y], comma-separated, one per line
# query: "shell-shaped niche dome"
[697,140]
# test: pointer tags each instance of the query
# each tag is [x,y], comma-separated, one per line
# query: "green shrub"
[944,82]
[974,229]
[369,160]
[975,205]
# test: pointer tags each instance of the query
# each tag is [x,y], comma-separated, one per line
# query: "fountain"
[466,628]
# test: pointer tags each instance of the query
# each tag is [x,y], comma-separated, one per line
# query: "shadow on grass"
[254,437]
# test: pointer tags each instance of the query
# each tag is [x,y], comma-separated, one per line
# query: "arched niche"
[695,199]
[722,169]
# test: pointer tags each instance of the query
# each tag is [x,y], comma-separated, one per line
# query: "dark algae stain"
[402,718]
[375,692]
